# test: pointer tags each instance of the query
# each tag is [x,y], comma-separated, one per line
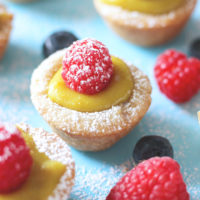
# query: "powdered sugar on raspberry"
[6,128]
[15,159]
[87,66]
[6,132]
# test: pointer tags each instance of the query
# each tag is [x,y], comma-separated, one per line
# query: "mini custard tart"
[144,22]
[5,28]
[34,165]
[88,97]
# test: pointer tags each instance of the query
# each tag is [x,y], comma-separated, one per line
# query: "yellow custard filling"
[44,177]
[119,90]
[147,6]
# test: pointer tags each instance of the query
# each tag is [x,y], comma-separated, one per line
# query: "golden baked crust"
[86,131]
[55,149]
[198,116]
[5,29]
[145,29]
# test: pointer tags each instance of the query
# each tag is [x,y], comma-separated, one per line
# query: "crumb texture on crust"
[56,149]
[95,124]
[141,20]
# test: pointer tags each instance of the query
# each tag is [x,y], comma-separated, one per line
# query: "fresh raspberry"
[178,77]
[154,179]
[15,159]
[87,66]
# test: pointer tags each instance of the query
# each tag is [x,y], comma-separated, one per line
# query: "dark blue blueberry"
[151,146]
[56,41]
[195,48]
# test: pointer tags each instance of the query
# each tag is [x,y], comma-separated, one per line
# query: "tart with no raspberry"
[5,28]
[144,22]
[34,164]
[88,97]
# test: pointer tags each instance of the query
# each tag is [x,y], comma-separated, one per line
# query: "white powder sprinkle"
[96,183]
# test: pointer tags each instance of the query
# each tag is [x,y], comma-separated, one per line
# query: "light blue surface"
[33,22]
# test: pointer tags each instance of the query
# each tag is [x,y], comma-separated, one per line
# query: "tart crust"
[198,116]
[146,29]
[5,29]
[89,131]
[56,149]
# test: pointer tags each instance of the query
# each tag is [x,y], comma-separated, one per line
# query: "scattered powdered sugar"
[6,128]
[96,183]
[190,179]
[5,155]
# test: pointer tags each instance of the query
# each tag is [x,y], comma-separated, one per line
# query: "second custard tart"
[86,117]
[144,22]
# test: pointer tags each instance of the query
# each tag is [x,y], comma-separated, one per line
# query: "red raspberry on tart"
[178,77]
[153,179]
[15,159]
[87,66]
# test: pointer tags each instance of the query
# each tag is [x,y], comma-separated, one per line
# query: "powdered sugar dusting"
[87,66]
[5,155]
[97,182]
[7,130]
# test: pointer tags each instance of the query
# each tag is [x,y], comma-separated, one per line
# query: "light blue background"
[33,22]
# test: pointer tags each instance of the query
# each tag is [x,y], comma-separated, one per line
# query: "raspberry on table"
[15,159]
[87,66]
[178,77]
[153,179]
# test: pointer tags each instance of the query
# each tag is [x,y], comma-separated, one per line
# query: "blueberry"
[56,41]
[151,146]
[195,48]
